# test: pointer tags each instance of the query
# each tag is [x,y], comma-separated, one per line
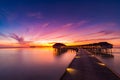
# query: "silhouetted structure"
[60,48]
[59,45]
[103,48]
[63,47]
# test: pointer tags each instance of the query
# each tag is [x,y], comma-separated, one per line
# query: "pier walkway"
[86,67]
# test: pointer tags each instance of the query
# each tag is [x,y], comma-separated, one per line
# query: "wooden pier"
[86,67]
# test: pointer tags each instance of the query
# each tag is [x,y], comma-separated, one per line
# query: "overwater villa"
[103,48]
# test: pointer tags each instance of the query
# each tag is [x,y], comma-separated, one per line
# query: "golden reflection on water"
[34,57]
[39,56]
[34,61]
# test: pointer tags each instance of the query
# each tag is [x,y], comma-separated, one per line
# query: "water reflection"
[59,51]
[113,63]
[33,63]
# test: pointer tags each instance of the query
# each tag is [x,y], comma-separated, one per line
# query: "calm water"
[33,63]
[113,63]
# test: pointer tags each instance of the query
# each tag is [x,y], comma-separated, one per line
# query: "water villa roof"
[58,45]
[101,44]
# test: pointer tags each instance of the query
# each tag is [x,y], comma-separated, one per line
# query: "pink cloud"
[101,33]
[91,29]
[99,39]
[61,36]
[66,28]
[66,25]
[82,23]
[57,30]
[45,25]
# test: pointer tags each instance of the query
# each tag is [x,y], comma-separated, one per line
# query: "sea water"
[33,63]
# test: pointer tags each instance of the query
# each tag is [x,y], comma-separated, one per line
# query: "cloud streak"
[99,39]
[103,32]
[37,15]
[3,35]
[63,30]
[73,31]
[19,39]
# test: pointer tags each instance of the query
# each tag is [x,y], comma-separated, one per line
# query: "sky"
[45,22]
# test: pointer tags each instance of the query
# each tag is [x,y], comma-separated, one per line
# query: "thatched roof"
[58,45]
[101,44]
[105,45]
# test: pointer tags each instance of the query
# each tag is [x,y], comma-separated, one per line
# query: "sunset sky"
[44,22]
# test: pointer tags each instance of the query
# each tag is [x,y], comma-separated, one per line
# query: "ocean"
[33,63]
[113,63]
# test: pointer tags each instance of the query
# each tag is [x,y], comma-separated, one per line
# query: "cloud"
[104,32]
[105,26]
[37,15]
[66,25]
[101,33]
[97,30]
[82,23]
[3,35]
[19,39]
[45,25]
[99,39]
[58,30]
[61,36]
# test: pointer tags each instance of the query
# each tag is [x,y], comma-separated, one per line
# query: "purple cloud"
[99,39]
[3,35]
[19,39]
[102,33]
